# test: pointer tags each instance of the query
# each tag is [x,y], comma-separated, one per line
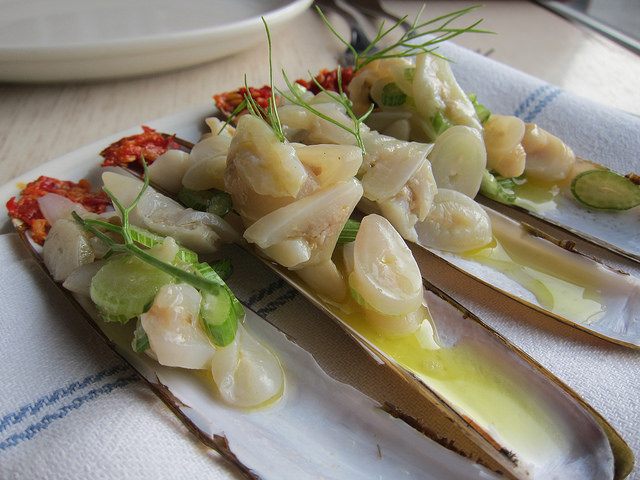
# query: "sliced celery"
[125,287]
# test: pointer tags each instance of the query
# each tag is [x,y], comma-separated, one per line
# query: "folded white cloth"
[70,408]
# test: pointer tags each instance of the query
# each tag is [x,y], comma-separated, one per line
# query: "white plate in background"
[78,40]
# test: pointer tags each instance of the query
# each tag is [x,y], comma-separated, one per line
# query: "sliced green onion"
[409,73]
[500,190]
[196,199]
[483,112]
[439,123]
[223,268]
[605,190]
[212,200]
[140,342]
[220,203]
[219,311]
[349,231]
[219,317]
[393,96]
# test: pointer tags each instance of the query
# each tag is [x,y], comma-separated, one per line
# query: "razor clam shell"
[346,433]
[616,231]
[591,445]
[619,282]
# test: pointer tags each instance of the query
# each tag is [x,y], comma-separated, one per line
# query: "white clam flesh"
[67,247]
[385,275]
[208,162]
[246,372]
[262,161]
[202,232]
[168,169]
[458,159]
[397,178]
[301,125]
[173,327]
[306,231]
[435,89]
[455,223]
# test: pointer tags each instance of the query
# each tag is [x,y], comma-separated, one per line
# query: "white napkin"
[70,408]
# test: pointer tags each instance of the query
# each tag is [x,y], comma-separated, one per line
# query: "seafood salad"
[139,262]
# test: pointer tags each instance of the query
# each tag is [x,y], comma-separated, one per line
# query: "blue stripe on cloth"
[256,300]
[263,292]
[77,402]
[535,103]
[32,409]
[283,299]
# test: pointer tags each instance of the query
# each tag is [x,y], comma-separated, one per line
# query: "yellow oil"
[562,291]
[488,391]
[539,197]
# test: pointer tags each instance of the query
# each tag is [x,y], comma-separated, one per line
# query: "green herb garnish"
[439,123]
[498,188]
[483,112]
[270,114]
[393,96]
[419,38]
[211,200]
[339,97]
[349,231]
[140,342]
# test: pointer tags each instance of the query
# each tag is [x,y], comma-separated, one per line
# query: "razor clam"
[606,229]
[339,422]
[555,278]
[572,439]
[518,413]
[550,200]
[622,455]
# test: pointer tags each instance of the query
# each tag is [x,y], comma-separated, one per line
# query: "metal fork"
[374,9]
[359,38]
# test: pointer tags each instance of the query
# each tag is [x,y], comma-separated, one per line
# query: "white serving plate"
[79,40]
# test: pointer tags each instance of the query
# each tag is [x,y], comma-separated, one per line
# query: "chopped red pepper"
[228,102]
[131,150]
[328,79]
[26,206]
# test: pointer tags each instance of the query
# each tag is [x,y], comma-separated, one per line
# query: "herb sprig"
[97,227]
[419,38]
[270,114]
[339,97]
